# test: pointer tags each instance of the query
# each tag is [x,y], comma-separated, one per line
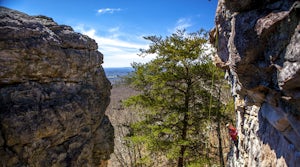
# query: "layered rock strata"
[258,44]
[53,95]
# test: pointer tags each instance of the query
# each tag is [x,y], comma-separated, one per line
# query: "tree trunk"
[180,162]
[183,137]
[222,164]
[221,158]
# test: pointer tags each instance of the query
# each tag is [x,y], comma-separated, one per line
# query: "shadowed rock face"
[258,43]
[53,95]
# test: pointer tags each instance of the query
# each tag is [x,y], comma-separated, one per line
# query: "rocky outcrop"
[258,43]
[53,95]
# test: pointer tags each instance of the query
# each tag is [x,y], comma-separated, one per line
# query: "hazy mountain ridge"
[115,74]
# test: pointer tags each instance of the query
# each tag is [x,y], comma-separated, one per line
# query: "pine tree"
[176,91]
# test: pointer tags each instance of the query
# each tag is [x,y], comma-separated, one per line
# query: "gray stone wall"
[258,44]
[53,95]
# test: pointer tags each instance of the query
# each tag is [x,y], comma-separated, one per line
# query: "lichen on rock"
[53,95]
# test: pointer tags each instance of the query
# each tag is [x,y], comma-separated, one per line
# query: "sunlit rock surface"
[53,95]
[258,43]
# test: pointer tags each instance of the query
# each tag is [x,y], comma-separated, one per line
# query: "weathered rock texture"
[53,95]
[258,43]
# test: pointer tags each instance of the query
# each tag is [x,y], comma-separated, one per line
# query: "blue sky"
[119,25]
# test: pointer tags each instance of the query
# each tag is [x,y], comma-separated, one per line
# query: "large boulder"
[258,43]
[53,95]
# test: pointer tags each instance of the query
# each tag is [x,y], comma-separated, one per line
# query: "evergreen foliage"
[179,97]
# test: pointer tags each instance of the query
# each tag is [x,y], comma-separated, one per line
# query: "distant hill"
[114,74]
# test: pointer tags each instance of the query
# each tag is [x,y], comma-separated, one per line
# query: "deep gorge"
[54,92]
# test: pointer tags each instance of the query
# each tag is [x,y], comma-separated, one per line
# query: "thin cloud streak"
[114,29]
[108,10]
[182,23]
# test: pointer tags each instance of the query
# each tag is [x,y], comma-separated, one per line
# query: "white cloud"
[114,29]
[117,52]
[108,10]
[182,23]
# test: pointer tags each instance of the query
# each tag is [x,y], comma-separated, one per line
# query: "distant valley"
[114,74]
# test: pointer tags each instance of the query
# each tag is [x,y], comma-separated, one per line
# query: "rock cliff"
[53,95]
[258,43]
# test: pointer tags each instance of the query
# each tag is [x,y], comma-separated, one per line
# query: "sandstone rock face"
[53,95]
[258,43]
